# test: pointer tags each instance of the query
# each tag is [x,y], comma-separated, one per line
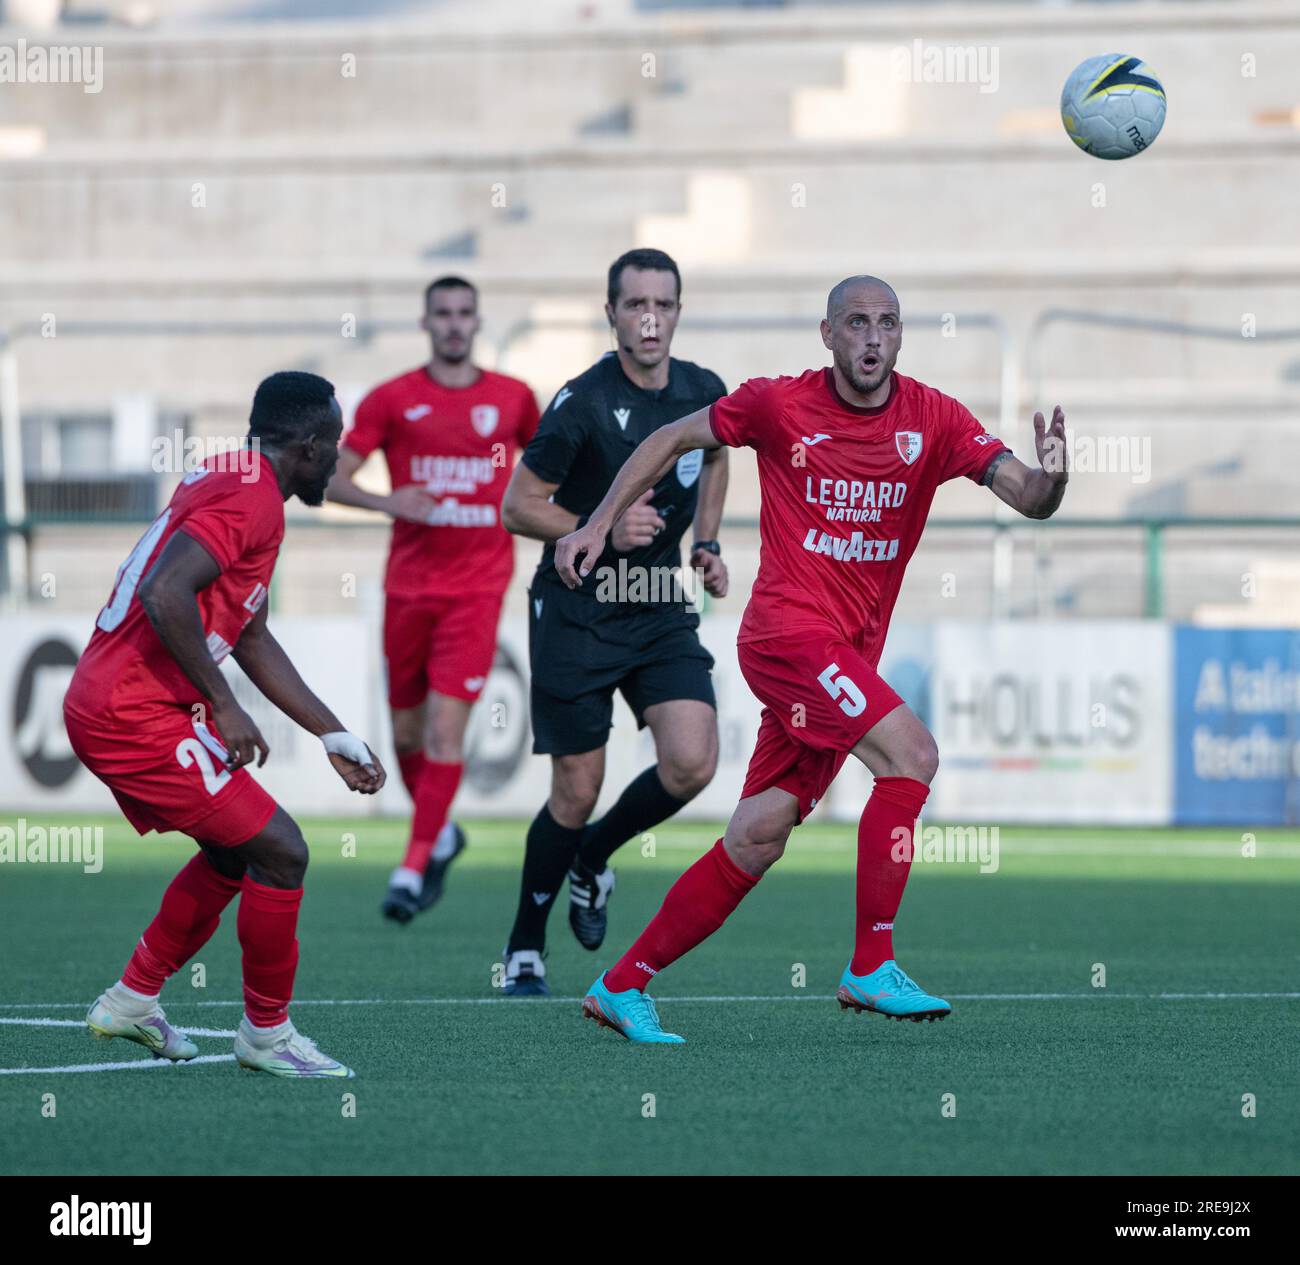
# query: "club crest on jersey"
[908,443]
[484,418]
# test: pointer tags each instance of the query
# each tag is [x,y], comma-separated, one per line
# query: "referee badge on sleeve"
[689,465]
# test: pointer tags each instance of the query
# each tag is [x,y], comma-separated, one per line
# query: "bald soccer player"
[849,460]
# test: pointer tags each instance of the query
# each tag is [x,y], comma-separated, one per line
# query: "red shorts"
[819,697]
[441,645]
[172,776]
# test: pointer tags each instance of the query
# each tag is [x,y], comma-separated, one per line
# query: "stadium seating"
[240,177]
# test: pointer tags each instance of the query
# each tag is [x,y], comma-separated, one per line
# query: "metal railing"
[19,525]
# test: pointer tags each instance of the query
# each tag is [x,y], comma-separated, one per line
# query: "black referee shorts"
[579,655]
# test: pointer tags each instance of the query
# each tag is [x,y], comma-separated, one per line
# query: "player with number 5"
[151,715]
[849,460]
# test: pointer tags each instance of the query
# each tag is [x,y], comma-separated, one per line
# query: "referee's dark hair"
[290,406]
[449,282]
[655,260]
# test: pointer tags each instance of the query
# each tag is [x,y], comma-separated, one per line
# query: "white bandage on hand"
[349,746]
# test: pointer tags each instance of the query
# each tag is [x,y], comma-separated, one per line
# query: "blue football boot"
[889,990]
[631,1014]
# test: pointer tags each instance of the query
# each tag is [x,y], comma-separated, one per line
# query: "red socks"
[268,925]
[893,808]
[412,765]
[434,792]
[695,907]
[190,912]
[705,896]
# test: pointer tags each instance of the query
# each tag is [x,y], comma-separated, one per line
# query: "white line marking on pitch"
[81,1023]
[496,1001]
[114,1067]
[669,999]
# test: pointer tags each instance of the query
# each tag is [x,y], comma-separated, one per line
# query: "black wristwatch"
[709,546]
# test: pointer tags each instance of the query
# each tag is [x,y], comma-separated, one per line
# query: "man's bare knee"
[758,830]
[684,776]
[575,788]
[226,861]
[572,807]
[408,727]
[900,746]
[446,720]
[277,857]
[754,858]
[918,757]
[444,742]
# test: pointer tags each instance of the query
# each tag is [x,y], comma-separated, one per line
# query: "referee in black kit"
[626,628]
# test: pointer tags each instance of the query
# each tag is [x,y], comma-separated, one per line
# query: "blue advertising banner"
[1237,726]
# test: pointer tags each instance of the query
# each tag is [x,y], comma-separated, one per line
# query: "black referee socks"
[548,853]
[645,803]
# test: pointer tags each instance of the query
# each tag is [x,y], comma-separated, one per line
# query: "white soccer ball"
[1113,106]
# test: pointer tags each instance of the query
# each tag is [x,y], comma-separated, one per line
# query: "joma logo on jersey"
[857,548]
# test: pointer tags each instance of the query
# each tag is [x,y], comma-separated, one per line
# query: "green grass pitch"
[1046,1073]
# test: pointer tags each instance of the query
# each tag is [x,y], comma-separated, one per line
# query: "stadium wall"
[1122,722]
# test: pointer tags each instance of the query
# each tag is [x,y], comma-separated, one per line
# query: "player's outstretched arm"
[169,597]
[409,503]
[268,667]
[1034,493]
[576,553]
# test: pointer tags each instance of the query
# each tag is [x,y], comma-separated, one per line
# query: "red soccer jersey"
[126,673]
[459,445]
[845,494]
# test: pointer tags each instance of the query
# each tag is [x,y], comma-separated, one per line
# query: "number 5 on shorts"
[843,689]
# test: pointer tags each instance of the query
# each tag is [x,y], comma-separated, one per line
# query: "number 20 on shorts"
[843,689]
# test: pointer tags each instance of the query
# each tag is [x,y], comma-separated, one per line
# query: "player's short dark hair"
[654,260]
[449,282]
[290,406]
